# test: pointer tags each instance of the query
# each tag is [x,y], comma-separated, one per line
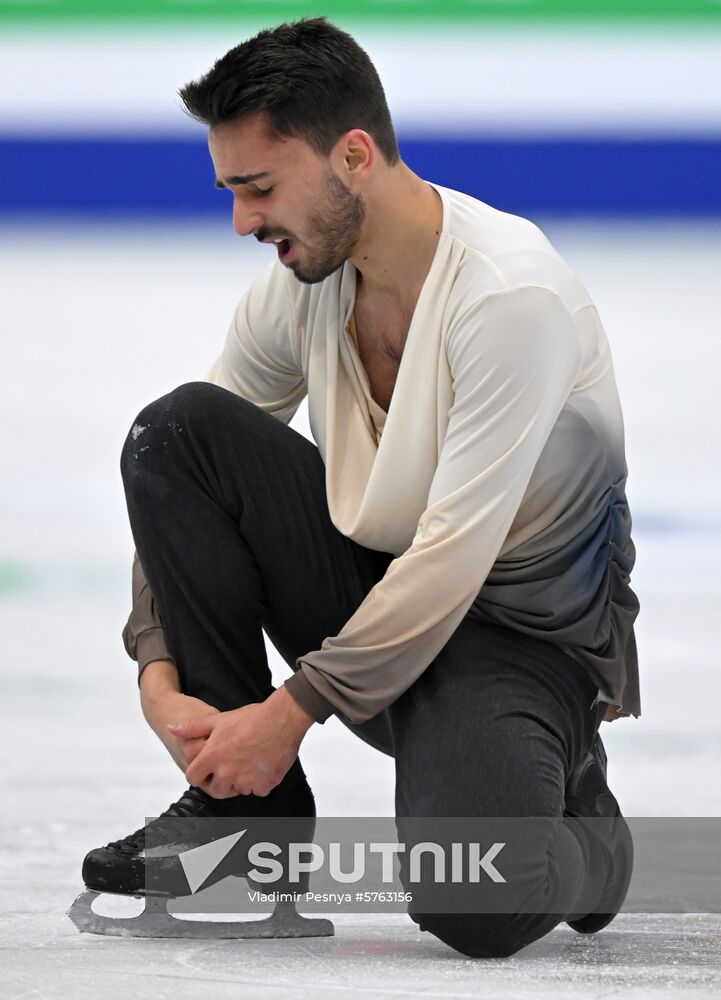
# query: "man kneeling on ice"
[447,568]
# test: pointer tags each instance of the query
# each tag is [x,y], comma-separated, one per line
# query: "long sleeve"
[514,356]
[143,635]
[260,362]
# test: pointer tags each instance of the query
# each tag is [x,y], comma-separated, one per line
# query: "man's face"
[298,197]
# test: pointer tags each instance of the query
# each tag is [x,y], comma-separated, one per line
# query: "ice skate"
[119,868]
[588,795]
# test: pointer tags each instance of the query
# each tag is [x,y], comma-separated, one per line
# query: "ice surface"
[97,321]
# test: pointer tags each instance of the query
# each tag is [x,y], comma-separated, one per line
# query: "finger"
[200,770]
[219,788]
[191,749]
[205,786]
[193,728]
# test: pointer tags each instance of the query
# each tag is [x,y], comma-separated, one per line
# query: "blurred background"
[601,121]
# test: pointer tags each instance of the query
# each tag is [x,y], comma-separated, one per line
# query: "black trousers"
[229,514]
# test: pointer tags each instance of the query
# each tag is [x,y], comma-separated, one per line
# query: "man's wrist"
[287,706]
[158,679]
[308,697]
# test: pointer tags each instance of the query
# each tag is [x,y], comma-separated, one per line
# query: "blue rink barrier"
[172,177]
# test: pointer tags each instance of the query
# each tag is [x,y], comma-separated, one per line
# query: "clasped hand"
[247,751]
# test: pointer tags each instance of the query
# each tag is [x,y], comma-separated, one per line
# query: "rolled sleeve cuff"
[309,699]
[151,646]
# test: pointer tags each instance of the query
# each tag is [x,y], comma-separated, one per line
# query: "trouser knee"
[161,423]
[180,403]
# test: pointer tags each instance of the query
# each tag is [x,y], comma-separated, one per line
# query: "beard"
[336,227]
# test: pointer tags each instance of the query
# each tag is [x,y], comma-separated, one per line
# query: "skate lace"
[187,805]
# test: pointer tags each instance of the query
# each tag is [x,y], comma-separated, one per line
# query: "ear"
[354,157]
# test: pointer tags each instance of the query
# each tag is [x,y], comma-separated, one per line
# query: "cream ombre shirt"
[496,478]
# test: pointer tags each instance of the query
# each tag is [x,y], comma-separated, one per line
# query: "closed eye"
[264,192]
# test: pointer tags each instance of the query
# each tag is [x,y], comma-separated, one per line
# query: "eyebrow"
[244,179]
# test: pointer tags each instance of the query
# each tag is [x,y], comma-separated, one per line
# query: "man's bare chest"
[381,339]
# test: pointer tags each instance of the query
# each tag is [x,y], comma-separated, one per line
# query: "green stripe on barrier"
[14,577]
[275,11]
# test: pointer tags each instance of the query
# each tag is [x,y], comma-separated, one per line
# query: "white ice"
[99,320]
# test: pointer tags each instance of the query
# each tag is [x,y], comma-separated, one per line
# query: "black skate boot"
[120,867]
[588,795]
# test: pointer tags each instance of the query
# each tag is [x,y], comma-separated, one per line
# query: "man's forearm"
[159,679]
[163,702]
[289,713]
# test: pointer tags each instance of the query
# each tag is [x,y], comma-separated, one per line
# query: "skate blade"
[156,922]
